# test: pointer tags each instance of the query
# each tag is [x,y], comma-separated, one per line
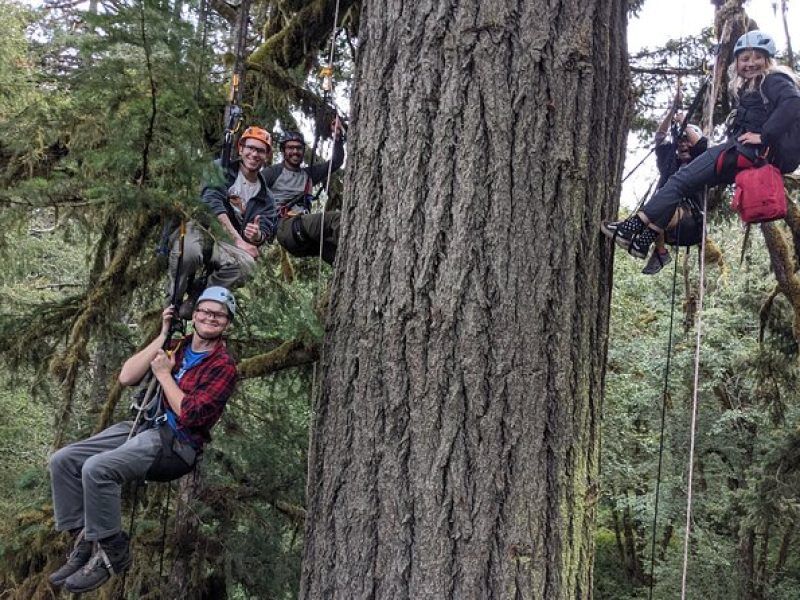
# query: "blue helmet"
[221,295]
[755,40]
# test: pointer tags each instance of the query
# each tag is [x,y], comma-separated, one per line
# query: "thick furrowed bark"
[454,448]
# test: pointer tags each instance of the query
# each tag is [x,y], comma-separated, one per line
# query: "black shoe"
[111,556]
[186,309]
[80,555]
[195,288]
[640,245]
[623,232]
[656,262]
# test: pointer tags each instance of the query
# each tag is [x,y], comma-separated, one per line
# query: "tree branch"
[148,136]
[292,353]
[666,71]
[306,32]
[309,102]
[224,10]
[246,488]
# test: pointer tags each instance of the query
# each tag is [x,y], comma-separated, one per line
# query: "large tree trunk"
[455,442]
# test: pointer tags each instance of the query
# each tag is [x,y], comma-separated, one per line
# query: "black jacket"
[774,112]
[215,196]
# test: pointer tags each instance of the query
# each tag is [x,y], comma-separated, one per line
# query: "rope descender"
[326,73]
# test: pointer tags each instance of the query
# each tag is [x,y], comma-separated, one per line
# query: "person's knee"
[246,267]
[94,470]
[60,460]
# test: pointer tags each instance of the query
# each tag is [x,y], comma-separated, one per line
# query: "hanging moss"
[115,283]
[783,265]
[304,35]
[766,309]
[287,268]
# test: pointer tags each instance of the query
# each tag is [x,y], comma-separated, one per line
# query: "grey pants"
[230,266]
[87,477]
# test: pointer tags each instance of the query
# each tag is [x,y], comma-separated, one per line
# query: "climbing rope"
[328,89]
[233,112]
[693,427]
[677,133]
[664,394]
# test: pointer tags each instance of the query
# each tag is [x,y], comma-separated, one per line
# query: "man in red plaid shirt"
[196,377]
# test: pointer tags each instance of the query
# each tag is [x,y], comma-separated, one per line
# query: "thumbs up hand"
[252,231]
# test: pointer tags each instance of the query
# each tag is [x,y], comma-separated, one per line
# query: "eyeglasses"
[288,148]
[256,150]
[212,315]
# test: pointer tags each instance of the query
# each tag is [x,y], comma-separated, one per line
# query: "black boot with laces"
[80,555]
[640,245]
[623,232]
[111,557]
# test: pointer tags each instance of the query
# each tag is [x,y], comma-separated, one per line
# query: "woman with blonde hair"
[768,108]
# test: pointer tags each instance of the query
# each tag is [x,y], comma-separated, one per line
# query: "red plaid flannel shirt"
[207,387]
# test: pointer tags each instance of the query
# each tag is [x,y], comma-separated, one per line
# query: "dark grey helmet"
[291,136]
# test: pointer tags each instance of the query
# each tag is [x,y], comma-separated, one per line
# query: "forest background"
[110,113]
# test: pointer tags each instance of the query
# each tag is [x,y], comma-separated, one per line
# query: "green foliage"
[113,120]
[748,413]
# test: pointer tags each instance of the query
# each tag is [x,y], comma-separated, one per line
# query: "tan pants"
[229,266]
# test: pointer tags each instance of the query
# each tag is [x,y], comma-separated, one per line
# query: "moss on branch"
[293,353]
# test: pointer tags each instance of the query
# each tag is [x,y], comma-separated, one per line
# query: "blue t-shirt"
[190,359]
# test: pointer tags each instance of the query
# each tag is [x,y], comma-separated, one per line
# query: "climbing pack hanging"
[760,196]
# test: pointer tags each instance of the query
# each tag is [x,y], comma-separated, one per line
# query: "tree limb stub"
[293,353]
[224,10]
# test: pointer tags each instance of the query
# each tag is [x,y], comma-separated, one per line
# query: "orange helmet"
[256,133]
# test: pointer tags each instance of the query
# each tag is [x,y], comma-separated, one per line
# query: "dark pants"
[301,234]
[685,182]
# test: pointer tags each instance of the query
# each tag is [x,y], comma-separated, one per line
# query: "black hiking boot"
[656,262]
[641,242]
[80,555]
[622,232]
[111,556]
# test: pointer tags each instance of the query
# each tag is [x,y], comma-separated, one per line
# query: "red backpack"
[760,196]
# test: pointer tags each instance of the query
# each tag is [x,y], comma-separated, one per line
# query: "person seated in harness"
[244,206]
[765,125]
[300,230]
[675,147]
[196,377]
